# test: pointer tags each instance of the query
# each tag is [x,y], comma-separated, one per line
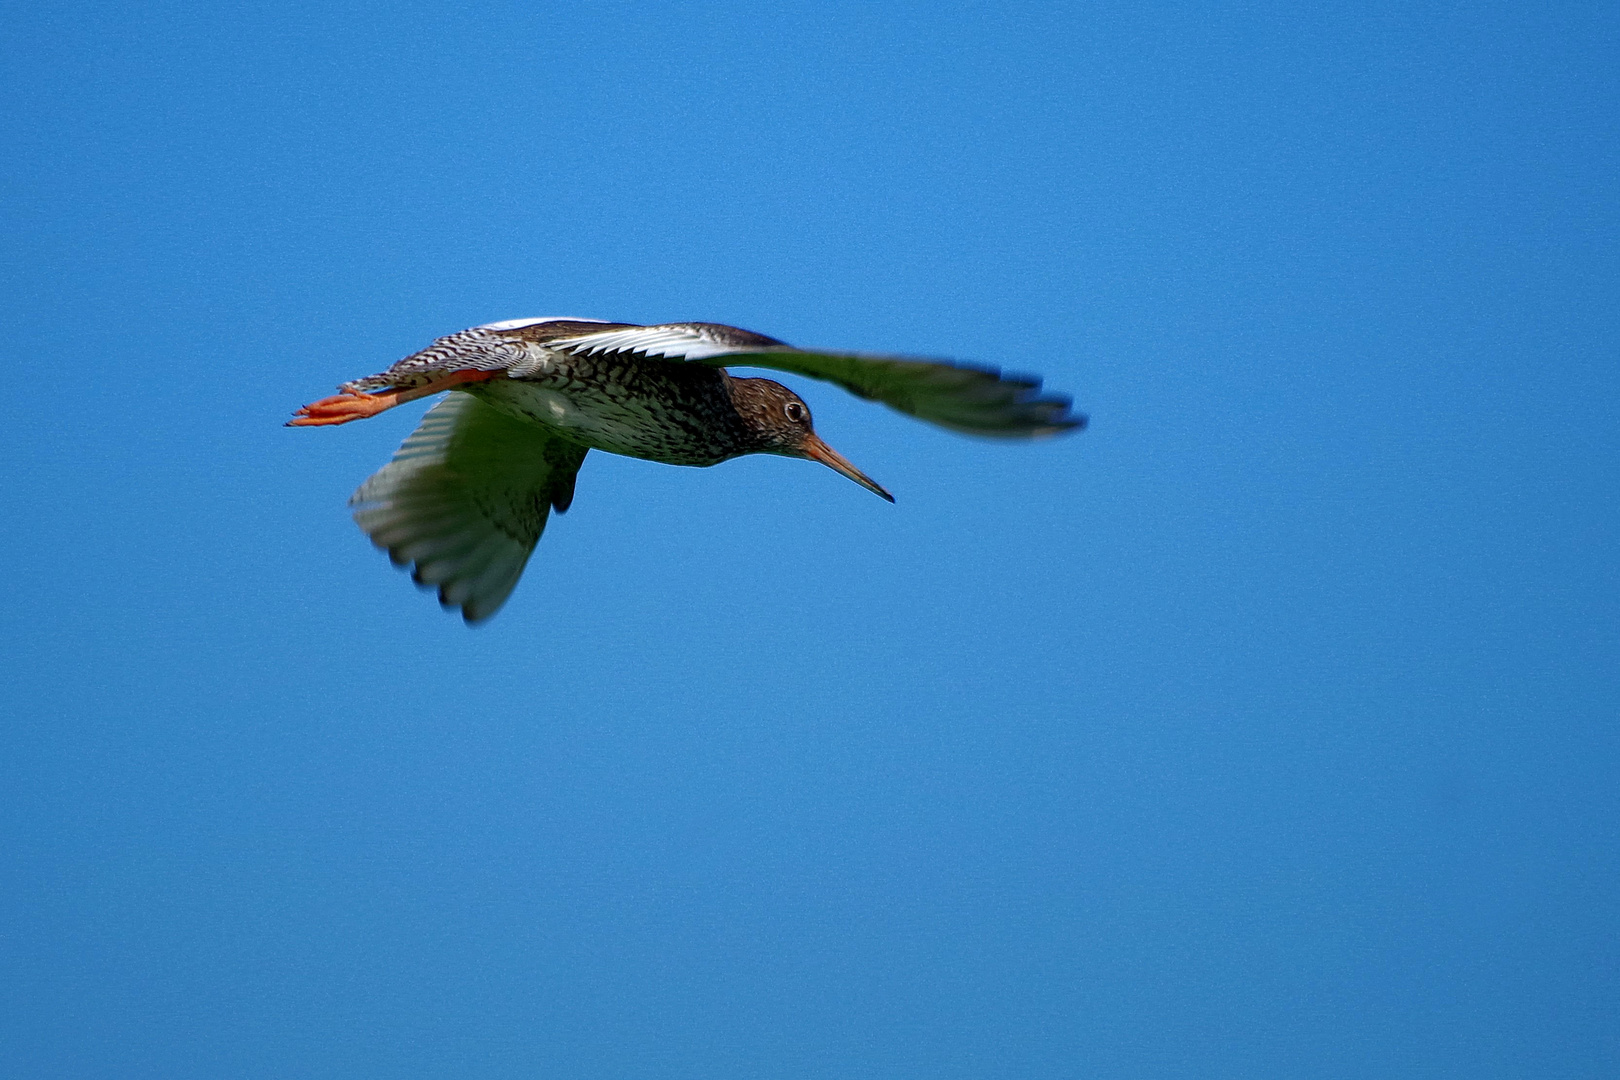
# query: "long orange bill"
[816,450]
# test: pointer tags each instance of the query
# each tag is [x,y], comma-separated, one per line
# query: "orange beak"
[816,450]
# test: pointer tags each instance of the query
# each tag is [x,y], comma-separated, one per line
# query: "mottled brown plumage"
[466,497]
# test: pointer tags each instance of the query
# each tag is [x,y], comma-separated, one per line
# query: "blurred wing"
[465,498]
[977,400]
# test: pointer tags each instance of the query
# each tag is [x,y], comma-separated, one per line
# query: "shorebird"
[467,495]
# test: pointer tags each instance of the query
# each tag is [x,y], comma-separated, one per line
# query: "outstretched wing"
[975,399]
[465,498]
[966,398]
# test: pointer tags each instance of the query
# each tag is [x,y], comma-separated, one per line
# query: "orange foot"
[342,408]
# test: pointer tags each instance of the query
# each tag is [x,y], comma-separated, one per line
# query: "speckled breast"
[674,412]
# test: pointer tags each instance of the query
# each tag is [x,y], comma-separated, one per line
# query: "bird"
[467,495]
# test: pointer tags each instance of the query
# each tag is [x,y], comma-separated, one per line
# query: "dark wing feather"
[963,397]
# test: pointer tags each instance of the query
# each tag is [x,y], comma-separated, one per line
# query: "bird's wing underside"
[977,400]
[465,498]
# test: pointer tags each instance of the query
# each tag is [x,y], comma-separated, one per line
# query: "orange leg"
[341,408]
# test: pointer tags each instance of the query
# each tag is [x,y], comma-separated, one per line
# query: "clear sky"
[1266,729]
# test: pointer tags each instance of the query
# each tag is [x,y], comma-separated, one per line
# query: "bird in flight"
[467,495]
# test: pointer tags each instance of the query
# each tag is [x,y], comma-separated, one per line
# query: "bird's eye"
[795,412]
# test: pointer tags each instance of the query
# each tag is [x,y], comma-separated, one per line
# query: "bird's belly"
[655,427]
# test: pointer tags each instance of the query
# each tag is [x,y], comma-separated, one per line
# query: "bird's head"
[778,422]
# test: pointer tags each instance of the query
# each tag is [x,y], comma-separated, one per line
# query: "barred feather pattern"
[477,349]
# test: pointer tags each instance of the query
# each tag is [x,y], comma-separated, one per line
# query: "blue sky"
[1266,729]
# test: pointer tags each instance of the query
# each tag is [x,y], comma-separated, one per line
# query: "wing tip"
[471,613]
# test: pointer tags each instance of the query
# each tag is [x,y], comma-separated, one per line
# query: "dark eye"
[795,412]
